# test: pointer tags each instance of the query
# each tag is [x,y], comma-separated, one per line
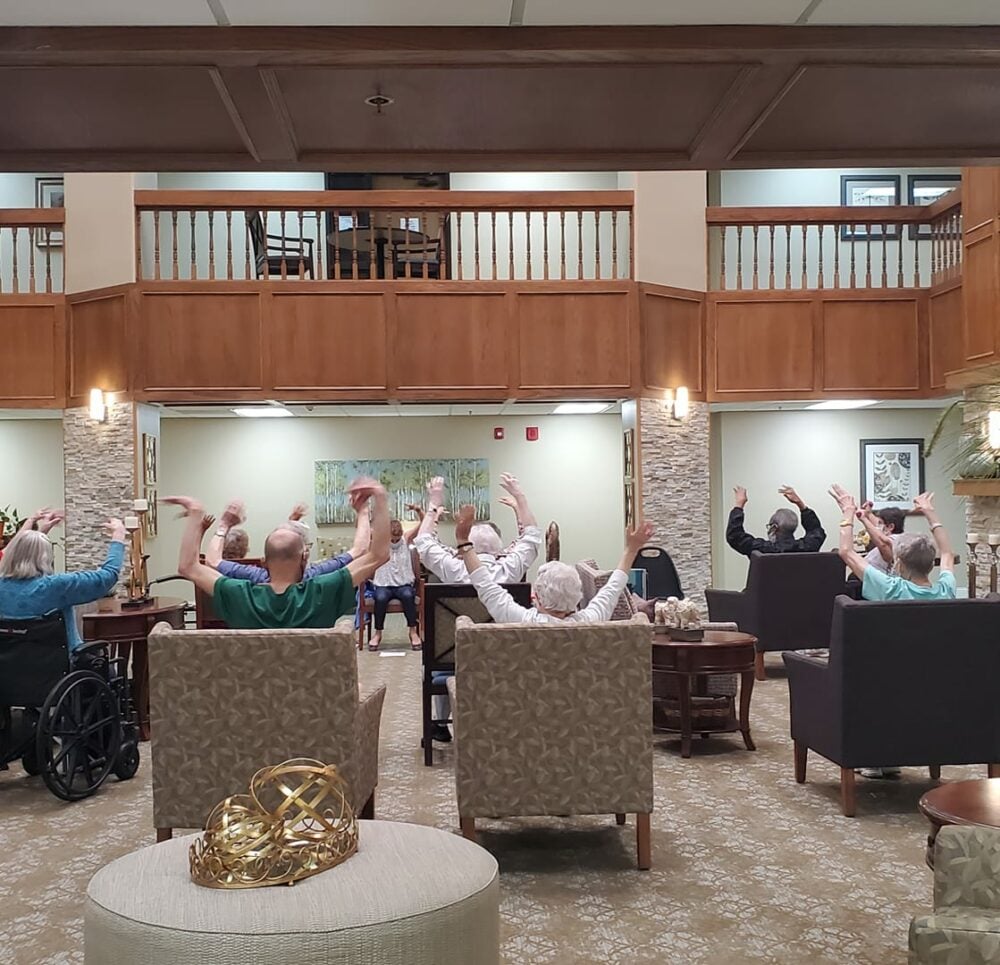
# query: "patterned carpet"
[747,865]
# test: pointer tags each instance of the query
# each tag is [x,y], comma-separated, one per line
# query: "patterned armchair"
[554,719]
[224,703]
[964,928]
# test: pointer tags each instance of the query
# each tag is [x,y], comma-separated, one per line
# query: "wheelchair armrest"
[91,646]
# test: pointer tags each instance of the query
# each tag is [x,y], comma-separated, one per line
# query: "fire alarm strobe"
[531,433]
[498,432]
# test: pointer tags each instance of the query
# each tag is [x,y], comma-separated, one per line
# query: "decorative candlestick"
[138,581]
[972,541]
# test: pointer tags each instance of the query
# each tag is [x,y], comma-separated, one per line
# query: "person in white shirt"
[503,567]
[884,528]
[557,590]
[396,580]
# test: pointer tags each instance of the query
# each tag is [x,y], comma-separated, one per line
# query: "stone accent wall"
[982,513]
[675,490]
[100,480]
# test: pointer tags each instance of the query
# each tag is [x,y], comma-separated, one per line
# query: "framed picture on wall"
[150,523]
[926,189]
[49,193]
[628,475]
[869,191]
[892,472]
[149,459]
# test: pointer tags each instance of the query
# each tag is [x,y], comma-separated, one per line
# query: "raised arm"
[498,602]
[435,507]
[525,517]
[232,515]
[411,534]
[364,567]
[848,511]
[86,586]
[815,535]
[363,530]
[879,540]
[925,504]
[635,539]
[512,503]
[188,565]
[736,536]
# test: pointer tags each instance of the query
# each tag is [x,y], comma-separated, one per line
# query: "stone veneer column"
[100,466]
[982,513]
[674,463]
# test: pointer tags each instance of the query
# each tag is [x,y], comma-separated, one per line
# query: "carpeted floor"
[747,865]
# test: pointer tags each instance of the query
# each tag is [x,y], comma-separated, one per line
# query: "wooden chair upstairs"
[417,259]
[279,256]
[229,702]
[554,719]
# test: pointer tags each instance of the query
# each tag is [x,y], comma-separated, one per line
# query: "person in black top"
[780,528]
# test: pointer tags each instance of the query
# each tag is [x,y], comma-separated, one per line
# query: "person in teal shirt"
[29,588]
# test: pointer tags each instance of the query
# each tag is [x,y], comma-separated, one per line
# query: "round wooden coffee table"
[690,663]
[961,802]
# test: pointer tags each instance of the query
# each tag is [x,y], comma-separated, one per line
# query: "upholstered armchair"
[964,928]
[593,578]
[787,601]
[907,684]
[554,719]
[224,703]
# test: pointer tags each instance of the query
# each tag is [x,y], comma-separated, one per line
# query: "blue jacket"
[25,599]
[259,574]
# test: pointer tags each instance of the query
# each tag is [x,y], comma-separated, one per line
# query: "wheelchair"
[71,721]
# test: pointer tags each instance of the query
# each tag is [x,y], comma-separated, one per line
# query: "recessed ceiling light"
[262,412]
[580,408]
[843,404]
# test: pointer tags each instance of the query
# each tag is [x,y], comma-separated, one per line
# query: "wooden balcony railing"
[769,248]
[31,251]
[355,235]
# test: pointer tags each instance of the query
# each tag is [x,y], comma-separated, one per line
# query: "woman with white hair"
[557,590]
[30,589]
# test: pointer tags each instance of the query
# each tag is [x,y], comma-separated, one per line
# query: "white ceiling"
[492,12]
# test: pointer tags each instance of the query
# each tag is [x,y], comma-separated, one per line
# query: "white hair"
[484,539]
[557,587]
[28,555]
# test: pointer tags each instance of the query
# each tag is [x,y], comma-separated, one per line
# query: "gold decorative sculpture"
[294,823]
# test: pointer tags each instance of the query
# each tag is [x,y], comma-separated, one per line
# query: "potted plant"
[976,463]
[10,522]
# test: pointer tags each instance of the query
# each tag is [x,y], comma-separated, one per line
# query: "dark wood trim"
[233,111]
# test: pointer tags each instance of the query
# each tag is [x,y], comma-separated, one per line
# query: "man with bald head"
[781,528]
[286,601]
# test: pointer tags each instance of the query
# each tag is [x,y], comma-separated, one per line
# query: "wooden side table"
[961,802]
[720,652]
[127,629]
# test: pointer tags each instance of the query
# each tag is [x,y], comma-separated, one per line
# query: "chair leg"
[428,726]
[993,770]
[758,665]
[164,834]
[619,819]
[468,826]
[368,809]
[801,752]
[935,770]
[847,791]
[643,844]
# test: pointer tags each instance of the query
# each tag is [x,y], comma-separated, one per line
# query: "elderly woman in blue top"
[29,588]
[913,556]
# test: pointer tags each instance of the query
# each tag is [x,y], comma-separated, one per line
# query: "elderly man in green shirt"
[286,602]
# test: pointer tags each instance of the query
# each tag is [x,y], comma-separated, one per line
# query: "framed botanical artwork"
[149,459]
[892,472]
[926,189]
[628,474]
[869,191]
[149,517]
[49,193]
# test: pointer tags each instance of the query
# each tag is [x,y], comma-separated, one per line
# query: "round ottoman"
[410,895]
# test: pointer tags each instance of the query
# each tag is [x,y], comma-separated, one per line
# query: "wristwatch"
[222,531]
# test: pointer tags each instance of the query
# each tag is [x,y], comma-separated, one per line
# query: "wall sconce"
[676,402]
[98,405]
[993,428]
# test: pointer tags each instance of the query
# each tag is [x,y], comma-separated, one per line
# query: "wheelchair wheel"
[127,762]
[78,736]
[30,762]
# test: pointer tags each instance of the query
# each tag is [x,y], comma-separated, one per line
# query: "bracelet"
[461,547]
[934,526]
[847,522]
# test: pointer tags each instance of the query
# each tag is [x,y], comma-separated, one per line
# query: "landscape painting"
[466,481]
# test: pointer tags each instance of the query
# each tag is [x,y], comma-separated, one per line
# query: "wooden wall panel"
[945,334]
[450,343]
[762,346]
[201,341]
[888,329]
[328,341]
[673,338]
[32,352]
[575,341]
[980,292]
[98,342]
[979,196]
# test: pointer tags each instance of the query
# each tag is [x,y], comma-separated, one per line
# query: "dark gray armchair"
[787,601]
[906,684]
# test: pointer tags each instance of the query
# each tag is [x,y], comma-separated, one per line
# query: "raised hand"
[511,484]
[924,503]
[740,496]
[49,520]
[507,501]
[116,530]
[187,505]
[791,495]
[207,522]
[844,500]
[364,488]
[234,513]
[298,511]
[463,522]
[435,492]
[637,537]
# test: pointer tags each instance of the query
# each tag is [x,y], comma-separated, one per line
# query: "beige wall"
[100,230]
[811,450]
[572,474]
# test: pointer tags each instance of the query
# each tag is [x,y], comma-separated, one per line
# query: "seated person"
[286,601]
[220,552]
[29,588]
[780,528]
[508,567]
[913,561]
[557,590]
[884,527]
[396,580]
